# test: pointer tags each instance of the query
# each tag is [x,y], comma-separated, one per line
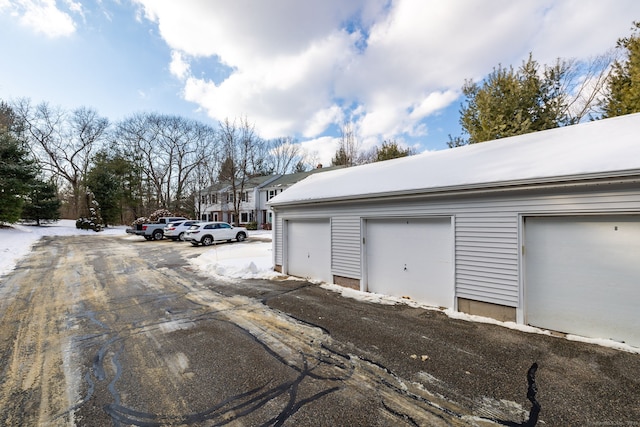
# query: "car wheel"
[157,235]
[240,237]
[181,236]
[207,240]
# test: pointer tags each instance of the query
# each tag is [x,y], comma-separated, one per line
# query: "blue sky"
[293,68]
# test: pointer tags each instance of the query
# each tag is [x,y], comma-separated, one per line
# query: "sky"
[252,259]
[292,68]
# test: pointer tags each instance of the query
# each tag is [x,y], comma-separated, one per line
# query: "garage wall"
[487,241]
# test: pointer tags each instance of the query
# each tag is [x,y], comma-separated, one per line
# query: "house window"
[244,196]
[271,194]
[203,199]
[244,217]
[214,198]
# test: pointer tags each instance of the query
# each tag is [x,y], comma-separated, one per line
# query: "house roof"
[256,181]
[609,147]
[292,178]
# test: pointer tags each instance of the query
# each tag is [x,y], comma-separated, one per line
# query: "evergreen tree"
[42,202]
[109,181]
[341,158]
[391,150]
[513,102]
[624,81]
[17,168]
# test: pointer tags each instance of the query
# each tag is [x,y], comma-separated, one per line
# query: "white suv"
[208,233]
[175,230]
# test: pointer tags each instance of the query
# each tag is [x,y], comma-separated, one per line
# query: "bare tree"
[286,156]
[584,84]
[64,143]
[169,150]
[238,145]
[349,152]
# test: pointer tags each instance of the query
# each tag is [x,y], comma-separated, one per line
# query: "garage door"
[309,249]
[582,275]
[411,258]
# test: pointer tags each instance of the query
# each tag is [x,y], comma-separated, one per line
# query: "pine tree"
[391,150]
[42,202]
[513,102]
[624,82]
[17,168]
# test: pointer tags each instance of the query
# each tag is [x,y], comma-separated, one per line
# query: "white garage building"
[541,229]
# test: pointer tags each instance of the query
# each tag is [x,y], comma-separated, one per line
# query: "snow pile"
[250,260]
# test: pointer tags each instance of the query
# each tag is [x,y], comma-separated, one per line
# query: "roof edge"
[491,187]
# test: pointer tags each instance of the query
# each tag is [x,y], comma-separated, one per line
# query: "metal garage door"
[309,249]
[582,275]
[411,257]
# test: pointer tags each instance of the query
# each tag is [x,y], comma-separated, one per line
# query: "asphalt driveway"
[129,333]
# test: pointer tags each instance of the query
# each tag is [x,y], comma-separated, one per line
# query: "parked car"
[207,233]
[155,230]
[175,230]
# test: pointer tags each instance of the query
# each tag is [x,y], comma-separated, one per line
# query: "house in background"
[272,188]
[217,201]
[540,229]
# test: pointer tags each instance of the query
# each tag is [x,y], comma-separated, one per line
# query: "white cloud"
[320,150]
[44,16]
[399,62]
[433,102]
[178,66]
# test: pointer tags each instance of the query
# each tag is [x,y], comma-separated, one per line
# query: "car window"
[210,226]
[175,224]
[225,225]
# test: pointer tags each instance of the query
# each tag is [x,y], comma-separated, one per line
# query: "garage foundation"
[485,309]
[347,282]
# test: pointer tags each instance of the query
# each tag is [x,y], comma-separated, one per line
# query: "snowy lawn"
[250,260]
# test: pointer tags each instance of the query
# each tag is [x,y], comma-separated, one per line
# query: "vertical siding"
[345,246]
[486,254]
[278,235]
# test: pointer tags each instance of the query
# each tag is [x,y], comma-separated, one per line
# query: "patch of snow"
[16,240]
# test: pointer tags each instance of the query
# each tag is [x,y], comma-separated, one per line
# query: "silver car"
[175,230]
[207,233]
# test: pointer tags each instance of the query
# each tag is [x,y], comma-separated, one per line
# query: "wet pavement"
[126,332]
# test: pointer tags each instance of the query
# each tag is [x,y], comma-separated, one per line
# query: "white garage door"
[582,275]
[309,249]
[411,257]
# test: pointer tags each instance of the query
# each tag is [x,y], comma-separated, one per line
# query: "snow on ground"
[250,260]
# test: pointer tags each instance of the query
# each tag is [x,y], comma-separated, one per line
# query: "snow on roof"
[604,146]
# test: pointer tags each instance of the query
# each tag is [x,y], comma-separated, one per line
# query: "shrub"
[252,226]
